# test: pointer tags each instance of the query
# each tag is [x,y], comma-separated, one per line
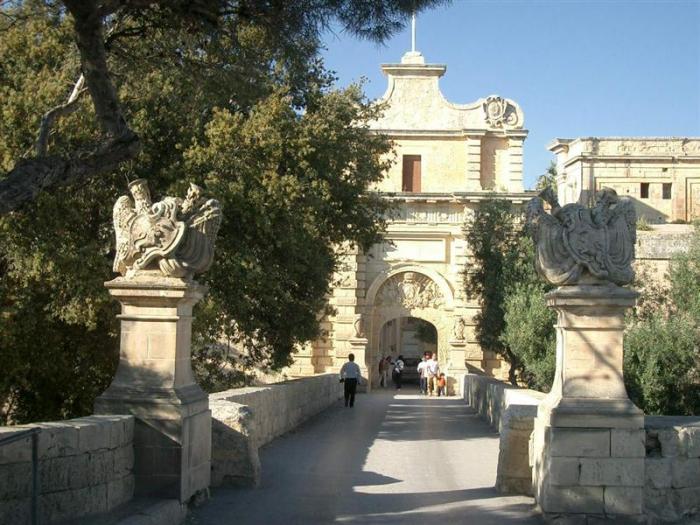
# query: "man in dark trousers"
[350,375]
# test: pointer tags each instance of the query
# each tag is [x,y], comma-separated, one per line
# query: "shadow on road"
[392,459]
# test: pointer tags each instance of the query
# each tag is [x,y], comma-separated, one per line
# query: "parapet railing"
[17,436]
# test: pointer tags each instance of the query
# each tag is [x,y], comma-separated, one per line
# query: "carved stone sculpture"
[499,112]
[358,327]
[174,236]
[579,245]
[410,290]
[458,329]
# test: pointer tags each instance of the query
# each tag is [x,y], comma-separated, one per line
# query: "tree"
[529,323]
[548,180]
[492,235]
[662,343]
[98,26]
[233,103]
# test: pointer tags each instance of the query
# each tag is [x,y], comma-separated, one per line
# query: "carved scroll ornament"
[499,112]
[577,245]
[410,290]
[175,236]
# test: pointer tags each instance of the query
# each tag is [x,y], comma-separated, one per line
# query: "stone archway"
[409,292]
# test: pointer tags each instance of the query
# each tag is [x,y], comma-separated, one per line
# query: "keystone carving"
[175,236]
[579,245]
[410,290]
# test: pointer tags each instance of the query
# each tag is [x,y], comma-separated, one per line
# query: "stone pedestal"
[587,447]
[155,383]
[358,346]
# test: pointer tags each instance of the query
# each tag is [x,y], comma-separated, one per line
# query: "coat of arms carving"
[175,236]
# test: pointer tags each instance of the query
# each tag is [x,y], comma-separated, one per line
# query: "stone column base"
[155,383]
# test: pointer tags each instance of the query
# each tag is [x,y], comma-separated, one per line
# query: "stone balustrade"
[244,419]
[85,467]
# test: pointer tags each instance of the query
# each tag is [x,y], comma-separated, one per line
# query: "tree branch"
[59,111]
[32,176]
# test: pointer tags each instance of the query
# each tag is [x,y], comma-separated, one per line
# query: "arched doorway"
[410,337]
[400,295]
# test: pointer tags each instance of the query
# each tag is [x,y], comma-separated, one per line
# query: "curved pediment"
[413,101]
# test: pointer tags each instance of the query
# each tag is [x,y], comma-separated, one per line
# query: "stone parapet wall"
[85,467]
[672,465]
[244,419]
[668,467]
[512,412]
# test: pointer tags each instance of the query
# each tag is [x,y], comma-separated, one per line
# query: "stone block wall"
[512,412]
[85,467]
[244,419]
[672,477]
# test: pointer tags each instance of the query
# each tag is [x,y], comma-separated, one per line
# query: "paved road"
[392,459]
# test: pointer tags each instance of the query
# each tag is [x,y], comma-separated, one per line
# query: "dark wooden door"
[411,173]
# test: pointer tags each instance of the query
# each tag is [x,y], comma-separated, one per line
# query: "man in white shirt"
[350,375]
[432,370]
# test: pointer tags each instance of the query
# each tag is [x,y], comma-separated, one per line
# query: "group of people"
[432,381]
[388,366]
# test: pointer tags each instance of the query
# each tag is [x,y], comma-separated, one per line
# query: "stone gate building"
[449,158]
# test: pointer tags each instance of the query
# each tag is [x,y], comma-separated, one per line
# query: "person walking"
[422,374]
[432,372]
[398,370]
[350,375]
[383,365]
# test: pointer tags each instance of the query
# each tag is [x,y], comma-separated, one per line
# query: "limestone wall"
[85,467]
[672,480]
[671,466]
[244,419]
[512,412]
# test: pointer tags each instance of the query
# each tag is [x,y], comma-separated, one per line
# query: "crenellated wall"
[85,467]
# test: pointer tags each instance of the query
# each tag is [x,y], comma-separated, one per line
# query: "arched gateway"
[450,158]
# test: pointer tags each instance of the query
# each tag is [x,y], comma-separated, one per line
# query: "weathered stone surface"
[75,477]
[575,442]
[627,443]
[627,472]
[577,500]
[246,418]
[623,500]
[658,472]
[564,471]
[686,472]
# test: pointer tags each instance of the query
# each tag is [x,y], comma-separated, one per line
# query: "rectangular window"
[644,190]
[666,190]
[411,173]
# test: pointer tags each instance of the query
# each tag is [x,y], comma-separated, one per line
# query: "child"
[441,385]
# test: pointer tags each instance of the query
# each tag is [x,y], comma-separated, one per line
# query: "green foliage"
[250,114]
[492,236]
[643,224]
[662,357]
[529,323]
[548,180]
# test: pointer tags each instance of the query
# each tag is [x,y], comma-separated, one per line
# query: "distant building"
[449,158]
[662,175]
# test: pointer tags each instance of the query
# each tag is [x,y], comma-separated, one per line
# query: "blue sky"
[577,68]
